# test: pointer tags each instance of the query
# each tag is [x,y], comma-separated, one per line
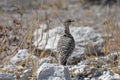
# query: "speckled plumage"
[66,44]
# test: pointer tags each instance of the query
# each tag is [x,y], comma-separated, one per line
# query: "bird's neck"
[67,29]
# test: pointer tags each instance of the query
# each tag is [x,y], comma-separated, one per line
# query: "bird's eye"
[70,21]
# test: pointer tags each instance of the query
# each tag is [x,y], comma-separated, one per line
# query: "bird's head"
[68,22]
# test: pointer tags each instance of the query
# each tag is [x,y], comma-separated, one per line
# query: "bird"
[66,44]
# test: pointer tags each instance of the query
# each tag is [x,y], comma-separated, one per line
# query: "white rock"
[85,39]
[117,76]
[56,78]
[7,76]
[77,69]
[22,55]
[93,79]
[26,74]
[52,72]
[10,23]
[107,75]
[51,42]
[12,68]
[86,78]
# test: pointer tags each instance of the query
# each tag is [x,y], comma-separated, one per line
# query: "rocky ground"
[30,30]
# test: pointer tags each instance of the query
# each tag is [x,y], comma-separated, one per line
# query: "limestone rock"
[52,72]
[7,76]
[87,40]
[22,55]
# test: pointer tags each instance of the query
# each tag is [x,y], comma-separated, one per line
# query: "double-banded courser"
[66,44]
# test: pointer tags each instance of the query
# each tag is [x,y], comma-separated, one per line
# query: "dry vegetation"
[20,36]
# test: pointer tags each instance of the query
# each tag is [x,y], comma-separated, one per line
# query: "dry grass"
[99,1]
[111,27]
[26,42]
